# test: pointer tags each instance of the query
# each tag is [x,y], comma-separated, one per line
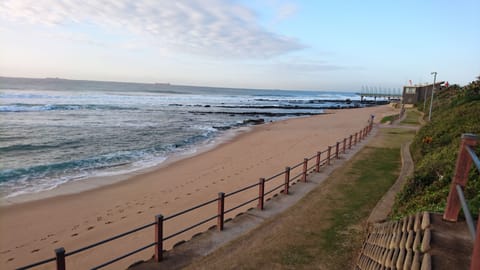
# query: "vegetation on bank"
[456,110]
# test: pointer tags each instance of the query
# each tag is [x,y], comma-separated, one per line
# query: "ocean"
[55,131]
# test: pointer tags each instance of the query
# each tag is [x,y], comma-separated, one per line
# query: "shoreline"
[76,220]
[95,182]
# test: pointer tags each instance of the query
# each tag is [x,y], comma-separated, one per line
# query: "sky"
[274,44]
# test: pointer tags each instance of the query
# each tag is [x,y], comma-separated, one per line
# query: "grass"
[388,118]
[325,229]
[412,117]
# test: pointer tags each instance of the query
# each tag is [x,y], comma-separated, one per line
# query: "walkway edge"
[383,208]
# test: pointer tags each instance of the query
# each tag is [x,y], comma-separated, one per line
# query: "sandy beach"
[30,231]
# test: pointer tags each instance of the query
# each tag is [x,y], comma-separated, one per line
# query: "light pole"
[433,90]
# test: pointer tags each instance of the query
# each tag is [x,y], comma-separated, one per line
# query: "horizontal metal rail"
[296,176]
[296,165]
[190,209]
[240,190]
[275,176]
[124,256]
[466,211]
[36,264]
[240,205]
[275,188]
[108,239]
[474,157]
[190,227]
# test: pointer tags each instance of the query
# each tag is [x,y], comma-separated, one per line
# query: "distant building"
[413,94]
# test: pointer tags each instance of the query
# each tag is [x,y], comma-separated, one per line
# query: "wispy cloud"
[206,27]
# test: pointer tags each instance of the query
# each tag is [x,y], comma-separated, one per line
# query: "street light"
[433,89]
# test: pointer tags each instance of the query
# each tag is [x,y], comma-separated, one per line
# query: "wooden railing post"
[317,164]
[344,144]
[158,238]
[221,212]
[329,153]
[261,193]
[475,264]
[355,142]
[360,136]
[460,177]
[336,150]
[305,167]
[287,180]
[60,258]
[350,142]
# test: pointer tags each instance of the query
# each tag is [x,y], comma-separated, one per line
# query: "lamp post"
[433,89]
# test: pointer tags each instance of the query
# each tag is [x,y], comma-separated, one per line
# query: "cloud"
[205,27]
[308,66]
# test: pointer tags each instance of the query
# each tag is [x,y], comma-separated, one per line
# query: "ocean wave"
[19,107]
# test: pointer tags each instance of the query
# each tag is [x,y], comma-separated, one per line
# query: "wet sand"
[30,231]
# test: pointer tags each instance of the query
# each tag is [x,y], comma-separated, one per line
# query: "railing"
[158,244]
[456,198]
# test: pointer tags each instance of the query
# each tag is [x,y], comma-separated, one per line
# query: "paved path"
[384,206]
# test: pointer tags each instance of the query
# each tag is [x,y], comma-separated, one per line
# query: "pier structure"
[379,92]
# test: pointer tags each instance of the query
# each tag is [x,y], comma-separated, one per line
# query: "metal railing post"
[317,164]
[460,177]
[60,258]
[305,167]
[158,238]
[287,180]
[350,142]
[336,150]
[221,212]
[475,264]
[329,153]
[261,193]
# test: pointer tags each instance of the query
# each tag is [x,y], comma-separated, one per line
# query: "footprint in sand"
[123,217]
[188,194]
[75,234]
[10,259]
[151,206]
[54,242]
[108,222]
[139,212]
[99,218]
[5,252]
[90,228]
[121,210]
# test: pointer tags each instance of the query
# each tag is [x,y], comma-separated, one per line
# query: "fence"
[159,223]
[456,198]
